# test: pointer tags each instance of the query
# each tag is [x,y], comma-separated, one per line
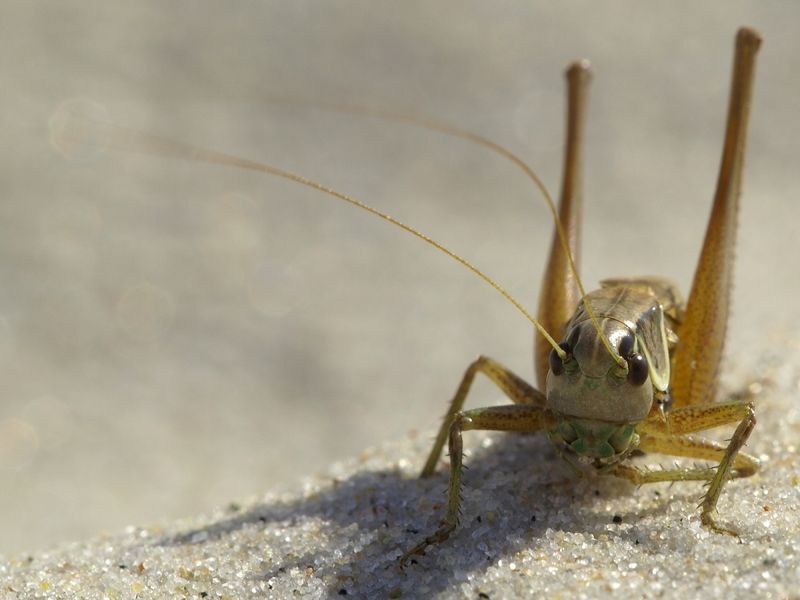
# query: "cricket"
[621,370]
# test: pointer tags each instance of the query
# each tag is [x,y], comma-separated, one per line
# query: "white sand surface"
[530,529]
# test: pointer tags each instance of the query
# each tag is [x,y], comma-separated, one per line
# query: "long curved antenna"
[433,125]
[79,130]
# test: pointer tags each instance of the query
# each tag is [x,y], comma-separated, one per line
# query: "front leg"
[732,462]
[520,417]
[513,386]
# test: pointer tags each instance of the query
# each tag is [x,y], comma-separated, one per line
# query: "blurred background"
[174,336]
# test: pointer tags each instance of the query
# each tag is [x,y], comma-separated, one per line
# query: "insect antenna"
[475,138]
[75,129]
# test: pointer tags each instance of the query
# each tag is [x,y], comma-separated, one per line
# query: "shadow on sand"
[510,501]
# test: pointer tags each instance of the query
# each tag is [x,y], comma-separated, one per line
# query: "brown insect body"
[630,351]
[635,369]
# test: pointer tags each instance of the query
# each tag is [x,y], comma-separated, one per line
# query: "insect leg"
[743,464]
[732,462]
[690,419]
[639,476]
[513,417]
[702,334]
[560,294]
[516,388]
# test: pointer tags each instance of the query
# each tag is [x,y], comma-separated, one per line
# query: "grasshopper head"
[590,384]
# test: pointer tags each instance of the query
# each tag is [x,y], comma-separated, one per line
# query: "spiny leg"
[702,333]
[669,437]
[513,417]
[738,439]
[559,293]
[690,419]
[744,465]
[731,463]
[516,388]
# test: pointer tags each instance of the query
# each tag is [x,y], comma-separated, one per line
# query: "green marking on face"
[622,437]
[594,439]
[591,383]
[580,446]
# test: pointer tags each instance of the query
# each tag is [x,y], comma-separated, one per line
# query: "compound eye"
[572,340]
[625,346]
[637,369]
[556,364]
